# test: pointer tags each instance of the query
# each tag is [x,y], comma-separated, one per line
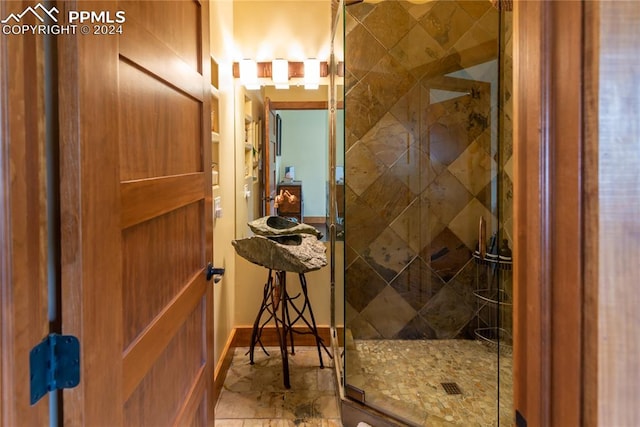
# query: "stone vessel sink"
[289,240]
[278,226]
[297,253]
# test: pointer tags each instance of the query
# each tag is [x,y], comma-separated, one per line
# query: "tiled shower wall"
[422,162]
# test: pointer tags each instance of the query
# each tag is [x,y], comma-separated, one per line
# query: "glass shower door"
[427,161]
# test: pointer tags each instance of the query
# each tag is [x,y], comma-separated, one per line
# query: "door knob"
[214,273]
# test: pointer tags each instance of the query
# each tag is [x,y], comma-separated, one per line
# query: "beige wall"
[223,253]
[290,29]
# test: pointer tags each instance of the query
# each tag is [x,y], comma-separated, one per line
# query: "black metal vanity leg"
[314,328]
[288,318]
[256,324]
[290,328]
[282,335]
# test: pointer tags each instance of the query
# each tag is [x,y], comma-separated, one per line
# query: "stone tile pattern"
[422,163]
[254,395]
[396,380]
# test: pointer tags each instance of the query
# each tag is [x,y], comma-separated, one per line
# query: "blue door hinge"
[54,364]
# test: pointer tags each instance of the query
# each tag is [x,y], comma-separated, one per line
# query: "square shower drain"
[451,388]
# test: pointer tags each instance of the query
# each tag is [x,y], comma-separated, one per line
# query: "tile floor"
[395,380]
[254,395]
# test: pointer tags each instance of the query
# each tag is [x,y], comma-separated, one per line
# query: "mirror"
[295,151]
[294,130]
[311,128]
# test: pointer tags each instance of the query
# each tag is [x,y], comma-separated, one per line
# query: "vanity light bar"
[296,69]
[280,73]
[249,72]
[311,73]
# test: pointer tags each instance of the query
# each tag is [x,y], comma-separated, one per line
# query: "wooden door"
[24,224]
[550,302]
[269,161]
[136,215]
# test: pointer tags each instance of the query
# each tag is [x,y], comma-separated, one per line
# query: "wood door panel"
[147,347]
[147,198]
[151,55]
[164,135]
[167,21]
[158,397]
[138,156]
[24,318]
[159,258]
[160,127]
[194,413]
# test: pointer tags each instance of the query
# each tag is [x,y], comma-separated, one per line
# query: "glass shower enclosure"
[424,230]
